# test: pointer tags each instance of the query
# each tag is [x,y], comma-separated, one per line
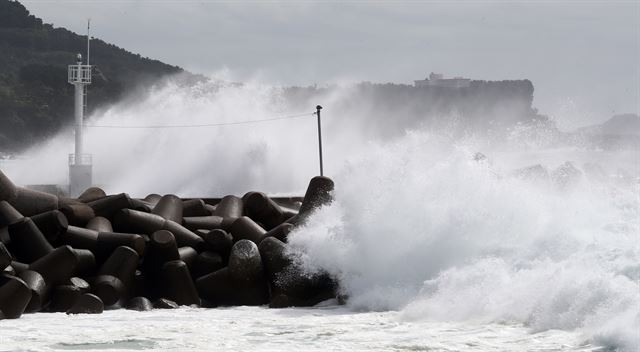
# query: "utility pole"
[318,108]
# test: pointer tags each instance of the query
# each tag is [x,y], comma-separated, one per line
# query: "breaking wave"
[426,226]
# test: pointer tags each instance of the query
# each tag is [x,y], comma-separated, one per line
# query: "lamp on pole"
[318,108]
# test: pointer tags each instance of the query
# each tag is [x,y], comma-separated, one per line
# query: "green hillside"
[35,98]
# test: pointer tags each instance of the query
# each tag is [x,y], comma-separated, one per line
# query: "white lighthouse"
[80,164]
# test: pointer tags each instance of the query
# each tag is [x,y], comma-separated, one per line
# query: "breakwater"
[99,251]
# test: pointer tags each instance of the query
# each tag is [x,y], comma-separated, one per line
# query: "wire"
[203,125]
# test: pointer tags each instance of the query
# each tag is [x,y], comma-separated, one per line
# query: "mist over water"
[420,223]
[278,156]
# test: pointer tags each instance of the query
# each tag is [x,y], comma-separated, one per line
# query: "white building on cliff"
[437,80]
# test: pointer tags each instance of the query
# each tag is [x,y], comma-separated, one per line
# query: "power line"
[204,125]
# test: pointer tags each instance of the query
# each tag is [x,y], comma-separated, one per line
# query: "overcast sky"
[582,56]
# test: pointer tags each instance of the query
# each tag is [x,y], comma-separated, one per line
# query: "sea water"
[329,328]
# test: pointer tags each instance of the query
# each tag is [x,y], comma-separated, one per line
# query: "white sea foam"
[420,226]
[263,329]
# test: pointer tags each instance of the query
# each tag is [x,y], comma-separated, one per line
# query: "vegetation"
[35,98]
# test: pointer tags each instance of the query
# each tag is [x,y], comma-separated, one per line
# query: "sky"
[583,57]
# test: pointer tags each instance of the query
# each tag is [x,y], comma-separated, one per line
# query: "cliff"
[35,98]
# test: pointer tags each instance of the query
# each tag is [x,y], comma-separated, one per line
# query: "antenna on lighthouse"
[88,39]
[80,165]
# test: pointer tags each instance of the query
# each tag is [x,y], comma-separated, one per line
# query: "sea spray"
[279,155]
[421,226]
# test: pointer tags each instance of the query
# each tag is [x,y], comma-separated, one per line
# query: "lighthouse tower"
[80,164]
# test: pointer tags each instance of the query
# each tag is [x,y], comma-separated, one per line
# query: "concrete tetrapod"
[318,194]
[53,224]
[180,287]
[30,202]
[27,242]
[209,222]
[194,207]
[263,209]
[247,274]
[87,304]
[90,194]
[39,290]
[140,304]
[116,275]
[58,266]
[246,229]
[5,257]
[170,208]
[288,280]
[14,296]
[8,214]
[78,214]
[109,205]
[137,221]
[220,242]
[230,207]
[100,224]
